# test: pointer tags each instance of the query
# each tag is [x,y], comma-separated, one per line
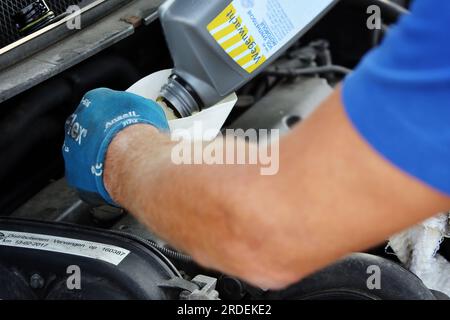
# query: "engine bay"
[49,236]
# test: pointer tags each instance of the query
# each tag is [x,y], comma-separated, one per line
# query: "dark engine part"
[15,15]
[36,25]
[37,260]
[349,278]
[286,105]
[33,17]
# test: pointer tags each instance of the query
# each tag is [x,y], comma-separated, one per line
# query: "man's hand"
[101,115]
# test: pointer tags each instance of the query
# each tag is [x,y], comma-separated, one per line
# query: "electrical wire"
[308,71]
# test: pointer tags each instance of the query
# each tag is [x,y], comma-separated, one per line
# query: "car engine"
[53,52]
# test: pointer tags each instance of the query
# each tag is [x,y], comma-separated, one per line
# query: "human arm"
[333,195]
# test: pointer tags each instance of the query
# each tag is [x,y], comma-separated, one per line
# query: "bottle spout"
[180,97]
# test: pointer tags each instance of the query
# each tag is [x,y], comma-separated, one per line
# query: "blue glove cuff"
[101,156]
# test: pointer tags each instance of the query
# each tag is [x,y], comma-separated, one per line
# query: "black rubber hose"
[171,254]
[308,71]
[168,253]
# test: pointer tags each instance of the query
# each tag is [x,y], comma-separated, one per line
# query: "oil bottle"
[219,45]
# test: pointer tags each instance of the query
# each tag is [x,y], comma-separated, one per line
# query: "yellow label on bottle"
[234,37]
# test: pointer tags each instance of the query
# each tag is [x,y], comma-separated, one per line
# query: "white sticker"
[82,248]
[275,22]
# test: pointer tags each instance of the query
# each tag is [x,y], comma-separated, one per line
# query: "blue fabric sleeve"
[399,96]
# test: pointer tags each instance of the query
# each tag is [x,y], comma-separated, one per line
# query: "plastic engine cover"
[40,260]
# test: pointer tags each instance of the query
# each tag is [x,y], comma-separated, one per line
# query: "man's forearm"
[193,207]
[333,195]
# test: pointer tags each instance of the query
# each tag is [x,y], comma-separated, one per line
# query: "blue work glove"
[101,115]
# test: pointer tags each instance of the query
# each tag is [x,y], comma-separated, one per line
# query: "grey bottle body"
[204,73]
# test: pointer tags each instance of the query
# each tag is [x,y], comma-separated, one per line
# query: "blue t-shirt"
[399,97]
